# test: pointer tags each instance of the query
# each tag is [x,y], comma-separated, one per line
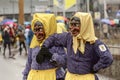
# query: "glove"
[43,54]
[40,58]
[46,53]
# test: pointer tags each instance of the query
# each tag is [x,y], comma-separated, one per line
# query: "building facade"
[10,8]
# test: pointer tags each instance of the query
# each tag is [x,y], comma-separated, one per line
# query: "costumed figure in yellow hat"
[48,65]
[86,54]
[61,27]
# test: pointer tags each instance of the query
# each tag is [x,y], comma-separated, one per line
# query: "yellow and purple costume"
[46,70]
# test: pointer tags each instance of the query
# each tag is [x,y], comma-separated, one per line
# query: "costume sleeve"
[104,54]
[28,65]
[60,59]
[56,40]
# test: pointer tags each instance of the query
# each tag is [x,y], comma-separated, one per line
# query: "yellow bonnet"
[61,28]
[49,23]
[86,32]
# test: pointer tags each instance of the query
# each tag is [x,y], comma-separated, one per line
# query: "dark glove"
[43,54]
[40,58]
[45,51]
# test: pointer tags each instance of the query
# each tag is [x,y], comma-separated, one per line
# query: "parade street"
[11,69]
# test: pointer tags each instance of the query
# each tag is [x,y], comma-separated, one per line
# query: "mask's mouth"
[40,36]
[75,31]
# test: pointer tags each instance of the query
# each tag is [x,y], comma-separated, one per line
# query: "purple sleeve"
[60,59]
[28,64]
[104,54]
[56,40]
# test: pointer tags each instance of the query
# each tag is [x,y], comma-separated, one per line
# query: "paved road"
[11,69]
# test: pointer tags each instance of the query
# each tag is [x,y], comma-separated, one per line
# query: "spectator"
[21,42]
[105,30]
[6,41]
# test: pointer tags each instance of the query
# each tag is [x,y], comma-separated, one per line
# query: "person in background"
[61,26]
[6,41]
[48,66]
[20,27]
[105,30]
[61,29]
[21,39]
[12,36]
[86,54]
[27,30]
[30,36]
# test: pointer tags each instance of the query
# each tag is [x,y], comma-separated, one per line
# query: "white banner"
[97,15]
[40,8]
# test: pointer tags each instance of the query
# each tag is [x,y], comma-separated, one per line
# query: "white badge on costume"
[102,47]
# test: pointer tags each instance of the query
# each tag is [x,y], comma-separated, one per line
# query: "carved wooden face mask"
[75,26]
[39,31]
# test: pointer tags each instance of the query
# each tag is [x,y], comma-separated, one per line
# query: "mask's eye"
[75,24]
[40,26]
[38,29]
